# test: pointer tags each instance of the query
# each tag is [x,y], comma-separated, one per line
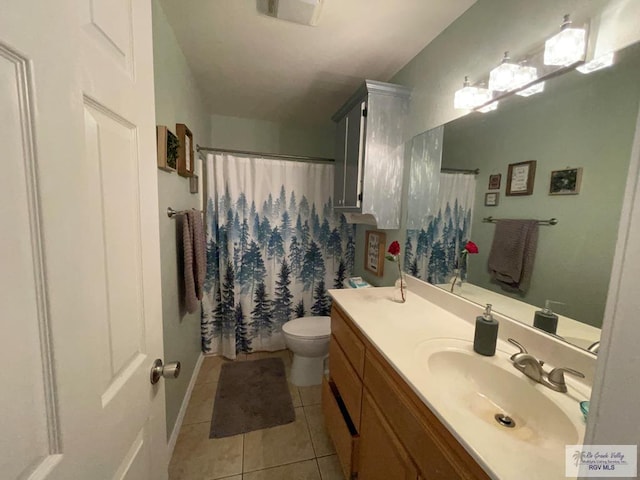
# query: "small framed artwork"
[193,184]
[520,178]
[565,182]
[491,199]
[375,243]
[185,153]
[167,149]
[494,181]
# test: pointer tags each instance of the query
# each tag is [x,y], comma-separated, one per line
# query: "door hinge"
[364,112]
[360,197]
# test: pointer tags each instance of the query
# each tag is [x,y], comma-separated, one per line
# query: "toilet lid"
[308,327]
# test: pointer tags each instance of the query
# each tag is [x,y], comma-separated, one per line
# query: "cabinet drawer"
[434,450]
[346,381]
[351,345]
[341,429]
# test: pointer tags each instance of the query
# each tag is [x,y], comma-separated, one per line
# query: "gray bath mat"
[251,395]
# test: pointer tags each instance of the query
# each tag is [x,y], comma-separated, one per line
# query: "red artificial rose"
[394,248]
[471,247]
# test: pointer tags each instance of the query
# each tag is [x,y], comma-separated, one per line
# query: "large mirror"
[579,132]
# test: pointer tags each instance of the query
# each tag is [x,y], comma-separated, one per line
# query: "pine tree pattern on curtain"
[274,247]
[431,252]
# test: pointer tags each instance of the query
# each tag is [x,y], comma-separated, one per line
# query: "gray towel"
[199,251]
[513,252]
[193,246]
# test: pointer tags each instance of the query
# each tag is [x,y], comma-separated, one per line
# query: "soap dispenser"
[545,319]
[486,335]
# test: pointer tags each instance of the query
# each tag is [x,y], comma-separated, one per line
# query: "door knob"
[170,370]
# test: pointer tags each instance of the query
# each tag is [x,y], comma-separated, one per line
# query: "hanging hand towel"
[513,252]
[199,251]
[190,296]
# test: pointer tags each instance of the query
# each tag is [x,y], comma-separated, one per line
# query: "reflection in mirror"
[581,121]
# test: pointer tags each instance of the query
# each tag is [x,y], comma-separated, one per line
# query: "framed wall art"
[491,199]
[494,181]
[167,149]
[374,251]
[565,182]
[520,178]
[185,153]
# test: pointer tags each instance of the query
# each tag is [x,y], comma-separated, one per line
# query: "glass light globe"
[504,76]
[489,108]
[603,61]
[527,92]
[567,46]
[470,97]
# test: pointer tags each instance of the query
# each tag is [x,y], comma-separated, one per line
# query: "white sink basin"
[473,389]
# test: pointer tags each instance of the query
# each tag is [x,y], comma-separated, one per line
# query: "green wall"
[579,121]
[273,137]
[177,101]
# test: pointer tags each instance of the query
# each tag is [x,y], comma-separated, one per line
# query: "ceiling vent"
[305,12]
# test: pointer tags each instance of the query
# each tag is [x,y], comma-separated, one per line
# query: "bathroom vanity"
[407,398]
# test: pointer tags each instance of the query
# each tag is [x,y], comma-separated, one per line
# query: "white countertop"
[397,329]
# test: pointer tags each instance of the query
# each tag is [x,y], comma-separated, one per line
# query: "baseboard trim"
[183,408]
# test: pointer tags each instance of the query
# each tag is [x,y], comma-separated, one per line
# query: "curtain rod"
[460,170]
[279,156]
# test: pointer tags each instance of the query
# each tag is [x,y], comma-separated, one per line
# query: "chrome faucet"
[526,363]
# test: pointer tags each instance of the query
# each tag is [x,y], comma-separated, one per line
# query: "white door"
[80,312]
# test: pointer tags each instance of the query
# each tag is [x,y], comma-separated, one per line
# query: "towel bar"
[551,221]
[171,213]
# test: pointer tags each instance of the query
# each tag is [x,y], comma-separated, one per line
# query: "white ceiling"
[255,66]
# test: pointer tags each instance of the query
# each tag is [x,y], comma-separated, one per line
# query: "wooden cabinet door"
[382,457]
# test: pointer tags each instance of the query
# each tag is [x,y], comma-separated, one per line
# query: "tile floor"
[300,450]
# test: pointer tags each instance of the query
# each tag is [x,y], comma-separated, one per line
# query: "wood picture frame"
[185,152]
[565,182]
[520,178]
[491,199]
[166,149]
[374,251]
[494,181]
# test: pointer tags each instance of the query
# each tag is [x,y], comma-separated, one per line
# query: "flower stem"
[401,283]
[453,284]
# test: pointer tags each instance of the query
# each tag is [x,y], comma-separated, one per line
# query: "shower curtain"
[431,253]
[274,247]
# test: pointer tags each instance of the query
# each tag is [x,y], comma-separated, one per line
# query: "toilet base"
[306,371]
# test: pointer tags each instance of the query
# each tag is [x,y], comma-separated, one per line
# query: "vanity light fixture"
[468,97]
[489,108]
[603,61]
[510,76]
[567,46]
[527,92]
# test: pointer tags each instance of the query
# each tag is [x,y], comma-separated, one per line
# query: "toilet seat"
[308,327]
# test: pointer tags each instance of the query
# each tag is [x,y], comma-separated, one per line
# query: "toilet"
[308,339]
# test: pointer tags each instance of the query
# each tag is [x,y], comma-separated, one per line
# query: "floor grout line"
[282,465]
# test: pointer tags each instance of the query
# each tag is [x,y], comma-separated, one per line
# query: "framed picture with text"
[520,178]
[375,243]
[491,199]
